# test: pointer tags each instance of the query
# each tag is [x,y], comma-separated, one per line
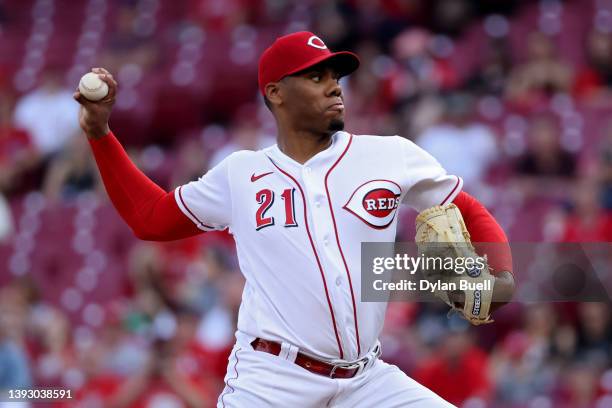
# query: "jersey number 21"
[265,199]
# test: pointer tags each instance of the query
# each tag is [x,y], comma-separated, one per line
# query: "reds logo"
[316,42]
[375,203]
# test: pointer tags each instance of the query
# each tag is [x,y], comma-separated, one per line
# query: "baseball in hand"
[92,87]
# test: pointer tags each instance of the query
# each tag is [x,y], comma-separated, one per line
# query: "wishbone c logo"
[316,42]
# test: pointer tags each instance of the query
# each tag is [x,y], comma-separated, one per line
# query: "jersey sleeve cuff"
[178,196]
[456,189]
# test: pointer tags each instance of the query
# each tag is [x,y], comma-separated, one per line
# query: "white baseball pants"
[259,379]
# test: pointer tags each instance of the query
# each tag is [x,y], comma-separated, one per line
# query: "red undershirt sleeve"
[483,228]
[151,212]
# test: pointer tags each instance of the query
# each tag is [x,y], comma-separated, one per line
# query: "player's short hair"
[267,103]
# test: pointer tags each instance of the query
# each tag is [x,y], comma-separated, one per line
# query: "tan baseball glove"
[441,233]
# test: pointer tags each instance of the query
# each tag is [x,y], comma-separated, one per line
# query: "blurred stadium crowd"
[514,96]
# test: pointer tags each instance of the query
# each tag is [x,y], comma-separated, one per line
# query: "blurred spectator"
[14,365]
[191,162]
[545,157]
[332,25]
[98,386]
[14,362]
[56,356]
[451,16]
[402,340]
[595,79]
[14,314]
[222,16]
[246,134]
[366,94]
[579,387]
[492,75]
[17,152]
[419,115]
[49,114]
[200,289]
[543,74]
[594,339]
[463,146]
[145,268]
[418,70]
[604,167]
[588,222]
[457,371]
[71,172]
[217,327]
[517,364]
[163,383]
[130,40]
[124,352]
[193,359]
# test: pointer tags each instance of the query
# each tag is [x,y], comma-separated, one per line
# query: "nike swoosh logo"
[254,178]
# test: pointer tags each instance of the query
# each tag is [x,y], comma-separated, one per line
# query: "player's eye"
[316,77]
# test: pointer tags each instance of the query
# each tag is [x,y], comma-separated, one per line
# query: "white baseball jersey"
[299,227]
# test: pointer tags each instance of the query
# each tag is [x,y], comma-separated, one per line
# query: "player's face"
[314,100]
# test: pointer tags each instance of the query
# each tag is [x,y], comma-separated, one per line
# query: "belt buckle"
[360,365]
[333,371]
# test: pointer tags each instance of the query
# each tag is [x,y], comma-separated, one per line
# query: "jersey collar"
[339,141]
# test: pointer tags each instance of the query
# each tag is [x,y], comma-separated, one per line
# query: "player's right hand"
[94,116]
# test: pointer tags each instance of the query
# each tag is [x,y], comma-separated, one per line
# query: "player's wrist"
[98,132]
[503,290]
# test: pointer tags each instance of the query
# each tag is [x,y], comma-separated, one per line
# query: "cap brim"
[344,62]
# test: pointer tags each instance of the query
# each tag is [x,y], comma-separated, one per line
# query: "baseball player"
[299,211]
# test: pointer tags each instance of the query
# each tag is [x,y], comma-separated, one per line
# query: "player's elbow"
[146,234]
[163,233]
[149,236]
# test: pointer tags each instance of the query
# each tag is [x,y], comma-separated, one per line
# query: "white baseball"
[92,87]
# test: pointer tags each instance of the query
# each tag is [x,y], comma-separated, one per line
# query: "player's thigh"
[258,379]
[385,385]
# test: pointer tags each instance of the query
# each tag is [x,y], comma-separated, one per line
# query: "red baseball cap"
[295,52]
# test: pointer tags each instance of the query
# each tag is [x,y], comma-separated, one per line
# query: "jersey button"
[318,203]
[326,241]
[338,281]
[308,170]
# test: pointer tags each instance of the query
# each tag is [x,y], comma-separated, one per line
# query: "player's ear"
[273,93]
